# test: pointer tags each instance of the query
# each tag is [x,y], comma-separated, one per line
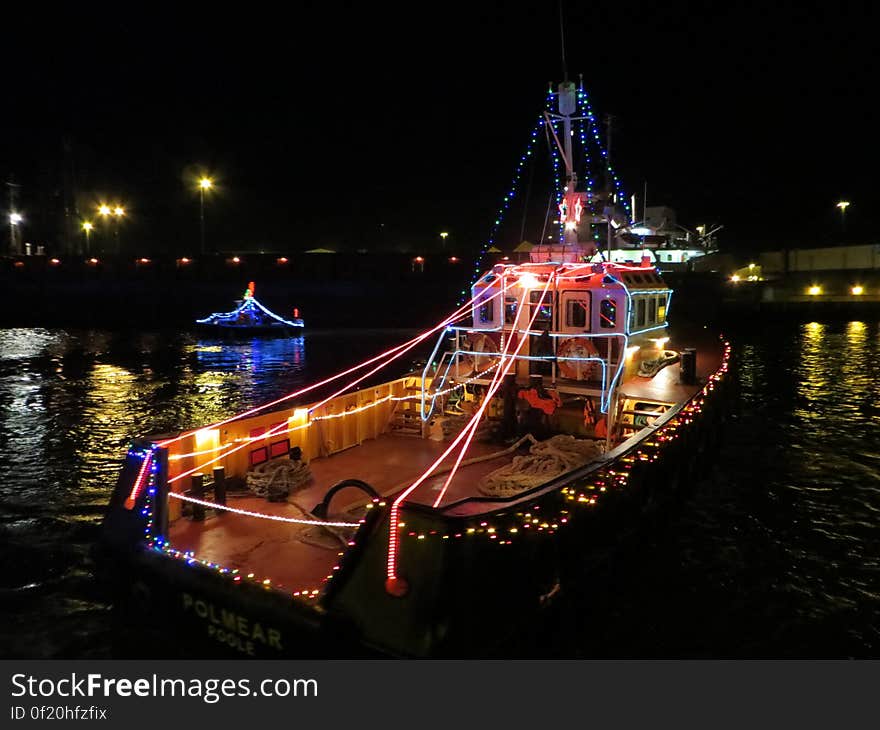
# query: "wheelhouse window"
[544,316]
[661,309]
[576,313]
[652,310]
[640,312]
[608,314]
[510,305]
[487,312]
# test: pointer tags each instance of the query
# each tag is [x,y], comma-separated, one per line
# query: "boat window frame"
[486,311]
[511,305]
[539,323]
[572,296]
[612,322]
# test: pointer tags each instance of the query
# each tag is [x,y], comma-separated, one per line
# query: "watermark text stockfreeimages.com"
[211,690]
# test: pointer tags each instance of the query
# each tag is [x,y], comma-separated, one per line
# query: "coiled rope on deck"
[545,460]
[275,480]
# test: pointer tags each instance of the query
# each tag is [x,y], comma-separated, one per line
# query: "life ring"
[579,347]
[471,361]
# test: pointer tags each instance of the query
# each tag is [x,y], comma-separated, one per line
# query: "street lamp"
[443,236]
[843,205]
[118,213]
[15,219]
[105,211]
[87,227]
[205,184]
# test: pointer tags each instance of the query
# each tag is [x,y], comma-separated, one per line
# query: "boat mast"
[567,107]
[574,204]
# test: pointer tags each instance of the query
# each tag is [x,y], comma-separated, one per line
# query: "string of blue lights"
[508,197]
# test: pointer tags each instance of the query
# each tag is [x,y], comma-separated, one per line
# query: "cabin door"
[574,312]
[574,320]
[541,345]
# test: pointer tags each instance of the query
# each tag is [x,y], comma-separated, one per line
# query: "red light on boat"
[138,483]
[396,587]
[19,264]
[235,260]
[419,259]
[93,261]
[54,262]
[282,260]
[143,261]
[453,259]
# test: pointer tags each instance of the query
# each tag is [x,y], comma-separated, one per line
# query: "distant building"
[830,258]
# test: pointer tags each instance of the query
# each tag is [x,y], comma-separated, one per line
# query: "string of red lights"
[394,584]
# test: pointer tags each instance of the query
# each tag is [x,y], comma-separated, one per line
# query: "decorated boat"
[431,514]
[250,318]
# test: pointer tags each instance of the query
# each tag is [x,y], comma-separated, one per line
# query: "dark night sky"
[325,124]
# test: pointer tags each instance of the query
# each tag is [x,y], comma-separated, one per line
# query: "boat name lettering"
[232,628]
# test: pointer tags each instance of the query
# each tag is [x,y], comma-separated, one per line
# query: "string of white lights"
[260,515]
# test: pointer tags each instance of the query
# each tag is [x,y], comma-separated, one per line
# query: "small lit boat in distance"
[251,318]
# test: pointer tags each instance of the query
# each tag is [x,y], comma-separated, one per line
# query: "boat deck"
[299,557]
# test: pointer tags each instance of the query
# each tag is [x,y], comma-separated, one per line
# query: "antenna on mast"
[562,43]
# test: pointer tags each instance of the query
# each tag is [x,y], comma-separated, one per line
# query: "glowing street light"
[87,227]
[15,220]
[117,212]
[843,205]
[443,236]
[205,184]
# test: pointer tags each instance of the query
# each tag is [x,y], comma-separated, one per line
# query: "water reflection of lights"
[23,343]
[221,376]
[833,382]
[856,332]
[257,355]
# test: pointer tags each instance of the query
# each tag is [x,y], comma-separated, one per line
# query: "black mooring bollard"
[197,490]
[220,487]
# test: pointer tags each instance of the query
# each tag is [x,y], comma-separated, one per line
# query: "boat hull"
[474,580]
[246,332]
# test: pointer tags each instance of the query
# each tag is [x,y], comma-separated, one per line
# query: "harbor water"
[774,555]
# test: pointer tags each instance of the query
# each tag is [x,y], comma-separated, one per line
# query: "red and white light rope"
[398,352]
[393,583]
[458,314]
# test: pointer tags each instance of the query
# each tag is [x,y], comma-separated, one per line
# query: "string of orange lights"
[459,314]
